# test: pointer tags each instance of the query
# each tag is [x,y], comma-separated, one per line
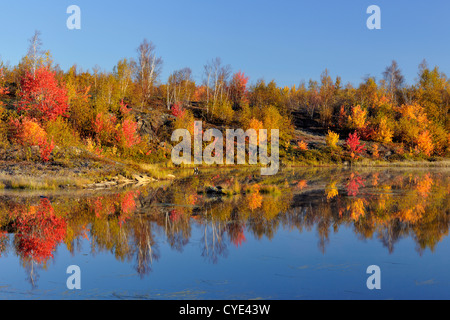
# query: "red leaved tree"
[127,135]
[104,126]
[46,147]
[355,146]
[178,111]
[238,87]
[41,97]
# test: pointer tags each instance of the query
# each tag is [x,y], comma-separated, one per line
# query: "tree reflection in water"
[382,205]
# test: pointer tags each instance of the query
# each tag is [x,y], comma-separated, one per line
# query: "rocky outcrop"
[152,124]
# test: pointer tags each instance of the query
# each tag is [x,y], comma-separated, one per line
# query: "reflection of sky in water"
[292,264]
[289,266]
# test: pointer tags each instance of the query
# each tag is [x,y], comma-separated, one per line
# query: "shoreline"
[56,176]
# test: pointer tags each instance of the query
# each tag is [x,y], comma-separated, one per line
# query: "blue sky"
[285,40]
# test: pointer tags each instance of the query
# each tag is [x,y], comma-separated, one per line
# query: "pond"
[301,234]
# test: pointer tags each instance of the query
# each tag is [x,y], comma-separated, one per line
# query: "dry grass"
[404,164]
[39,183]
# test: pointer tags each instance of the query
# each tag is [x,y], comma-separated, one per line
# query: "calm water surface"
[302,234]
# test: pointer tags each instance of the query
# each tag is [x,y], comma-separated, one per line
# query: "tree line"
[40,104]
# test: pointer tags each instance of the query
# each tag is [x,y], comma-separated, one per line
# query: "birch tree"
[123,72]
[393,79]
[36,56]
[180,87]
[148,69]
[216,80]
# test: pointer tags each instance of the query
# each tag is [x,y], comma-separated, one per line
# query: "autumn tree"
[354,145]
[41,97]
[3,114]
[292,97]
[216,81]
[3,89]
[425,143]
[367,93]
[358,118]
[147,71]
[28,132]
[314,99]
[332,138]
[185,120]
[273,119]
[35,53]
[326,94]
[299,96]
[103,95]
[238,88]
[177,110]
[393,80]
[384,133]
[413,128]
[433,93]
[123,74]
[127,134]
[3,92]
[81,113]
[263,95]
[223,111]
[117,129]
[35,58]
[180,87]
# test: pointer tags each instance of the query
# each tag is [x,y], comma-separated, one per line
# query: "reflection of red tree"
[239,238]
[175,215]
[236,233]
[39,231]
[102,207]
[355,182]
[121,206]
[128,206]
